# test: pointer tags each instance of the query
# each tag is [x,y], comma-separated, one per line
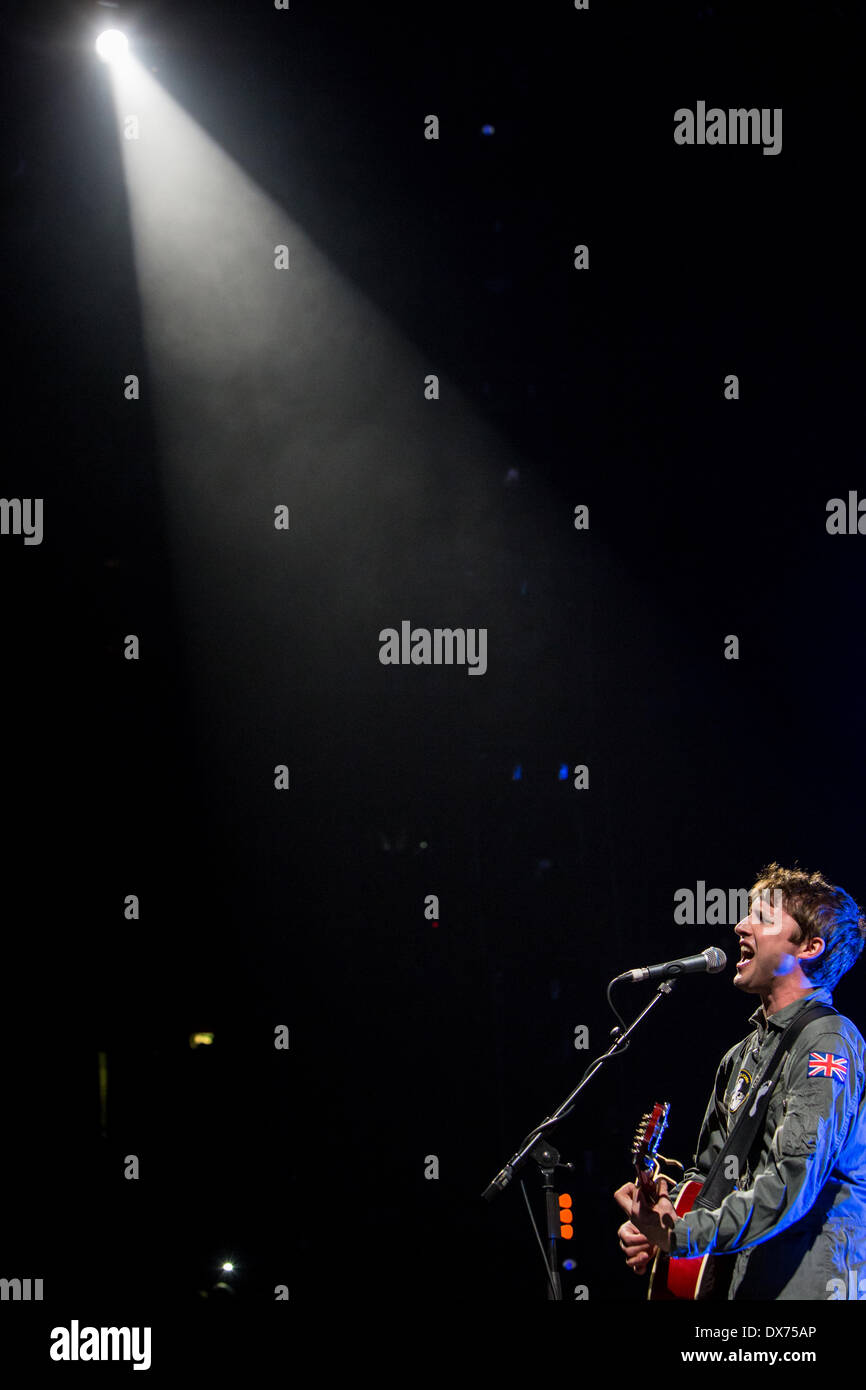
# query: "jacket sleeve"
[814,1127]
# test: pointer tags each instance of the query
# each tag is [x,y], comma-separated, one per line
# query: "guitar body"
[683,1279]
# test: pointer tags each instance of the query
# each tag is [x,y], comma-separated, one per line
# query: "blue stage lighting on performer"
[517,773]
[563,772]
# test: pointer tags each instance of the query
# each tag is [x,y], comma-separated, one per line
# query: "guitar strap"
[751,1122]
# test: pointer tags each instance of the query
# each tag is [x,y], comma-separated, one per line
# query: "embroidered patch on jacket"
[738,1095]
[828,1064]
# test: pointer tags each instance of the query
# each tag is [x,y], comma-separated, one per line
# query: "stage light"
[112,45]
[228,1266]
[566,1217]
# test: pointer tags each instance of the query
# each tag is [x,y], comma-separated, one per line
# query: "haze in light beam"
[290,387]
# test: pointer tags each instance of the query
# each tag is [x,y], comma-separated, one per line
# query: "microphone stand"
[547,1157]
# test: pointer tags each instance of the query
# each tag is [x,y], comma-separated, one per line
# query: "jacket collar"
[783,1017]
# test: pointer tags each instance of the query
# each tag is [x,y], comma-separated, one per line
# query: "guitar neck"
[646,1182]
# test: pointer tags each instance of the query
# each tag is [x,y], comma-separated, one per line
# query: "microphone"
[712,960]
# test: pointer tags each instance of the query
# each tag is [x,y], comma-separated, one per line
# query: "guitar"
[670,1280]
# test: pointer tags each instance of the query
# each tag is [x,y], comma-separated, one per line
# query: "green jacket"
[795,1225]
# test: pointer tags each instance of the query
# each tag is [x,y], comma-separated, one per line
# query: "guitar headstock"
[647,1138]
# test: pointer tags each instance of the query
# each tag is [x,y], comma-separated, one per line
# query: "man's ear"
[814,949]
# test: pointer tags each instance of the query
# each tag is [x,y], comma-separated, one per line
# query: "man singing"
[793,1225]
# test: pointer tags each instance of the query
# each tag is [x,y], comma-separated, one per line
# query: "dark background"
[605,647]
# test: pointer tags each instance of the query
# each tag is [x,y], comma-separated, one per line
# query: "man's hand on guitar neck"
[639,1252]
[649,1224]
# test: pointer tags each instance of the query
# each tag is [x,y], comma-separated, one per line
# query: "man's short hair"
[820,909]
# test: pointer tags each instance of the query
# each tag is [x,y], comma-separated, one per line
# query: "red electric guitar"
[670,1279]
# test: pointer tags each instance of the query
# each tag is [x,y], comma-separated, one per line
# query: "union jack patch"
[827,1064]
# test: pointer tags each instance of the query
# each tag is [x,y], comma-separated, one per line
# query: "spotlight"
[111,45]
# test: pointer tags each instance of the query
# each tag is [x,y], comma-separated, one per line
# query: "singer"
[782,1148]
